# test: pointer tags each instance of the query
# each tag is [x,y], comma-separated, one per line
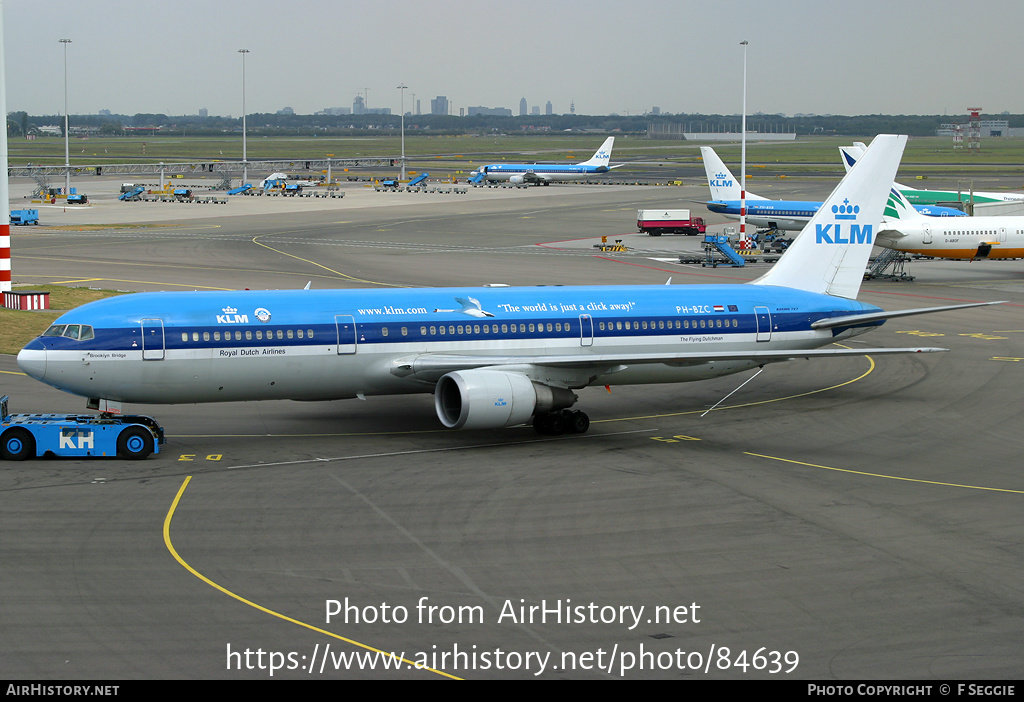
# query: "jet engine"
[516,180]
[490,399]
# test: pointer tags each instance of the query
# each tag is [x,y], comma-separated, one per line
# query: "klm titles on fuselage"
[231,316]
[232,319]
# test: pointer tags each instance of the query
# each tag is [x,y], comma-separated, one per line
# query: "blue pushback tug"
[24,436]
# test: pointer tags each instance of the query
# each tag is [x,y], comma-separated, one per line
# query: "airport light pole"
[67,156]
[5,203]
[743,150]
[245,155]
[403,87]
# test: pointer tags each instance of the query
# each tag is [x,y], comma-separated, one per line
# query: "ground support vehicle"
[132,195]
[24,216]
[24,436]
[720,243]
[658,222]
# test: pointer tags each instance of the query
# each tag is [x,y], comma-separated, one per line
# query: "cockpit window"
[79,332]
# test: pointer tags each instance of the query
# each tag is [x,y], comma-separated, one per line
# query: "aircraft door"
[346,325]
[152,339]
[926,233]
[1002,234]
[586,330]
[764,323]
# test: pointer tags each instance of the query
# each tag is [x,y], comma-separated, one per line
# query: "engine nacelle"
[516,180]
[491,399]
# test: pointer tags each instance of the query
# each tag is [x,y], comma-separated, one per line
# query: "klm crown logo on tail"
[832,233]
[721,180]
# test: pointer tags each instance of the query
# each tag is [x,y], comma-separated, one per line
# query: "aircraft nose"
[32,359]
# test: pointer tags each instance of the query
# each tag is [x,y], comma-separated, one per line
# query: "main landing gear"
[560,422]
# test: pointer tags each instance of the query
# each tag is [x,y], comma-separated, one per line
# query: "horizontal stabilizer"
[858,319]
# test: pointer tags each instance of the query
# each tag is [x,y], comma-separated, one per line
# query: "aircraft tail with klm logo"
[602,156]
[724,186]
[831,252]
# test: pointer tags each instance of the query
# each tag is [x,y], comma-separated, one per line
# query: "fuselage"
[537,172]
[330,344]
[934,197]
[793,215]
[970,237]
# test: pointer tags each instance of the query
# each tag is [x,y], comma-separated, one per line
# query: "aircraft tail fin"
[602,156]
[850,154]
[830,254]
[897,207]
[724,185]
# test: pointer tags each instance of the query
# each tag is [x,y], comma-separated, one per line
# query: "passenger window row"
[249,335]
[702,323]
[463,329]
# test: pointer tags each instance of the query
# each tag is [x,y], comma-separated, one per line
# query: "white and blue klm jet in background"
[492,357]
[790,215]
[545,174]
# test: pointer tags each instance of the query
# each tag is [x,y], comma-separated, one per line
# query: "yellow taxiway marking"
[11,373]
[76,280]
[106,227]
[871,368]
[193,571]
[190,286]
[985,337]
[320,265]
[882,475]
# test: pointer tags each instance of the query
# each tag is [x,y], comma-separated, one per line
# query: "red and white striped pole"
[5,200]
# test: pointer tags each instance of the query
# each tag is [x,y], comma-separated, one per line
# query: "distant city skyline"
[908,57]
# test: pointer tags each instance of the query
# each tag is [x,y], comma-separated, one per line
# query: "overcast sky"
[817,56]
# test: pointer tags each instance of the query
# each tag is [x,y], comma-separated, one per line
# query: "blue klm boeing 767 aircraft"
[774,214]
[547,173]
[492,357]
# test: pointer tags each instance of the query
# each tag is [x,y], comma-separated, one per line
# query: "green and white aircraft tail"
[850,155]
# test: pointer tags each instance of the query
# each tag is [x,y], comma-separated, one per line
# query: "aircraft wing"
[602,363]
